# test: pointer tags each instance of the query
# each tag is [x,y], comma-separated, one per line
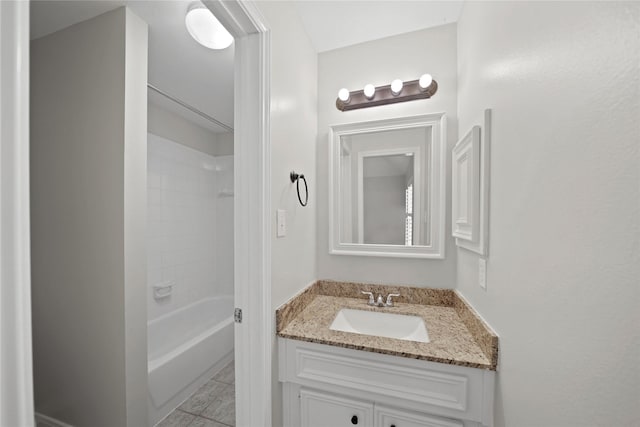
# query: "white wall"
[564,266]
[88,178]
[225,225]
[293,147]
[170,125]
[135,214]
[188,238]
[406,57]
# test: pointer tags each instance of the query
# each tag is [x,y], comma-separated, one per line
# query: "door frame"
[252,206]
[16,372]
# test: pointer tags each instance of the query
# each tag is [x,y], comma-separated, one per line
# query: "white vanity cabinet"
[330,386]
[394,417]
[319,409]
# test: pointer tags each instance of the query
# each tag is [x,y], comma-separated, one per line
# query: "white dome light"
[206,29]
[344,95]
[425,81]
[396,87]
[369,91]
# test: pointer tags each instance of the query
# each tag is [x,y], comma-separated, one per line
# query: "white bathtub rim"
[187,307]
[156,362]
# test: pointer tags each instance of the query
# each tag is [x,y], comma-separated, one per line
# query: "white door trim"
[252,205]
[16,373]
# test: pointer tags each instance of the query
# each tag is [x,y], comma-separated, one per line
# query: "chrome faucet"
[380,301]
[372,301]
[389,301]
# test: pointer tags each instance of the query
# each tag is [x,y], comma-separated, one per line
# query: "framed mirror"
[387,187]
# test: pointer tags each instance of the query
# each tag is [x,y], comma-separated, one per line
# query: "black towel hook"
[296,178]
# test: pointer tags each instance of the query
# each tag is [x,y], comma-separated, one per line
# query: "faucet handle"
[389,301]
[371,299]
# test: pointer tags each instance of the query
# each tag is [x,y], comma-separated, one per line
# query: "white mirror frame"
[435,177]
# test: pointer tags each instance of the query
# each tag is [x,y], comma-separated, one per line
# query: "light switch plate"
[482,273]
[281,223]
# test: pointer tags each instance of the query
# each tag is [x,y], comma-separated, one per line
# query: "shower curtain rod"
[190,108]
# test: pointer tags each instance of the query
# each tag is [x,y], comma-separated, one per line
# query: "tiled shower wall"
[190,225]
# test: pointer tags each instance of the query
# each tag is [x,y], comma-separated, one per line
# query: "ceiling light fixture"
[206,29]
[398,91]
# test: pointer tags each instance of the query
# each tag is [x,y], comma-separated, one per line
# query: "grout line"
[199,415]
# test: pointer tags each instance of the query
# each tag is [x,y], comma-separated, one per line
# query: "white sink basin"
[376,323]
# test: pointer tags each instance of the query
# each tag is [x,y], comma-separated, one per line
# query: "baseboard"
[47,421]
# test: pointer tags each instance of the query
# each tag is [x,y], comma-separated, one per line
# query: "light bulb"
[344,95]
[369,91]
[425,81]
[396,87]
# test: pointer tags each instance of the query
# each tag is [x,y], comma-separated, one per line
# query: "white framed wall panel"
[466,186]
[480,245]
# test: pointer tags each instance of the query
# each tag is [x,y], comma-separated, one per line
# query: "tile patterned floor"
[212,405]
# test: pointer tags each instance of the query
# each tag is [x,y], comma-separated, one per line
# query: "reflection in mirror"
[387,187]
[386,208]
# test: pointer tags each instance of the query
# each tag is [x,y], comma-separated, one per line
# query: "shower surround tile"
[189,226]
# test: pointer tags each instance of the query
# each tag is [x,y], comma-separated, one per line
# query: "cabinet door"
[392,417]
[321,409]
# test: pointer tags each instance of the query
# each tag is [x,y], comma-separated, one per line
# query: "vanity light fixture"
[398,91]
[206,29]
[344,95]
[425,81]
[369,91]
[396,87]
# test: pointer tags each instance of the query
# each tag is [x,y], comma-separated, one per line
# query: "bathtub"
[185,348]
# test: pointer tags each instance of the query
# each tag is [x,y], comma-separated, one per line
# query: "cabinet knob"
[392,425]
[354,419]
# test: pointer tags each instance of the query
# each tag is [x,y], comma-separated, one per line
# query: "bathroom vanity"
[333,378]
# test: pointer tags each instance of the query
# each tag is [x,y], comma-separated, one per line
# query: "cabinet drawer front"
[318,409]
[390,417]
[441,389]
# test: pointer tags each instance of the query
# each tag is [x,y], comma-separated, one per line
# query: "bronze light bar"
[383,95]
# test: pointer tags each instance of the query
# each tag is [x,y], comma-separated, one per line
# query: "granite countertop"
[457,335]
